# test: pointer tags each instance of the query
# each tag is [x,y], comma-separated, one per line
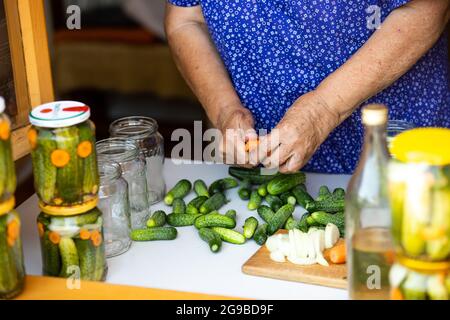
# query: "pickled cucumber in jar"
[73,246]
[62,140]
[7,169]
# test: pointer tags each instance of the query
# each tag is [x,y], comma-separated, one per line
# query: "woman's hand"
[303,129]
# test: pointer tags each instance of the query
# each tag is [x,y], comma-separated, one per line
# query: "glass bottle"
[126,153]
[368,218]
[144,131]
[113,202]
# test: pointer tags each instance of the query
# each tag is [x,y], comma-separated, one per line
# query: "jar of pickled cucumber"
[410,284]
[419,189]
[7,170]
[62,140]
[72,246]
[12,271]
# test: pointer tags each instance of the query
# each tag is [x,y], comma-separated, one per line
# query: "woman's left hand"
[299,134]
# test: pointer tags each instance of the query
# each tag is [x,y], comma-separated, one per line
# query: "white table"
[186,264]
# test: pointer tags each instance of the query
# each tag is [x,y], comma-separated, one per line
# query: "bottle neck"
[375,142]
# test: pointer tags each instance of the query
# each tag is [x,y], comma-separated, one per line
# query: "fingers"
[293,164]
[278,157]
[266,146]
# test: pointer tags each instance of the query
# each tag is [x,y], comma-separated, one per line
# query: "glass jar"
[151,144]
[7,169]
[12,271]
[126,153]
[113,202]
[409,284]
[419,188]
[73,246]
[395,127]
[63,154]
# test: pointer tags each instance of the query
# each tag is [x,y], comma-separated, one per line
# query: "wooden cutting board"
[261,265]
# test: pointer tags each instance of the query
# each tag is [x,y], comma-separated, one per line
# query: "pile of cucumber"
[280,192]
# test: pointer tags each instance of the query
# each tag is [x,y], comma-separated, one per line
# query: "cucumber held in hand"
[260,235]
[279,219]
[194,206]
[215,220]
[179,206]
[222,185]
[230,236]
[154,234]
[216,202]
[182,220]
[181,189]
[253,175]
[285,183]
[212,238]
[265,213]
[158,219]
[255,201]
[250,226]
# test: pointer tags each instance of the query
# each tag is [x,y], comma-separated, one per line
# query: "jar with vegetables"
[73,246]
[7,170]
[62,140]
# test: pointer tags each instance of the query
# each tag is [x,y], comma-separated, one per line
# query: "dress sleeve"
[184,3]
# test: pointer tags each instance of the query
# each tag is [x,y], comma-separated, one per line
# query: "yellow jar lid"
[68,211]
[424,145]
[7,206]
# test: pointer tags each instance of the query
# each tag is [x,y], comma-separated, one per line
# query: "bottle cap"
[60,114]
[375,114]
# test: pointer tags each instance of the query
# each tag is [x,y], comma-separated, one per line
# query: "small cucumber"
[231,214]
[182,220]
[51,259]
[303,223]
[255,201]
[302,196]
[265,213]
[215,220]
[216,202]
[324,193]
[245,189]
[87,254]
[260,235]
[274,202]
[69,257]
[44,171]
[285,183]
[279,219]
[262,190]
[250,226]
[181,189]
[154,234]
[223,185]
[230,236]
[212,238]
[89,164]
[179,206]
[253,175]
[339,193]
[194,206]
[291,223]
[330,205]
[158,219]
[201,189]
[285,196]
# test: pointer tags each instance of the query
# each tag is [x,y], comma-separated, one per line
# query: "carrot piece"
[11,241]
[41,229]
[32,138]
[96,238]
[13,230]
[85,234]
[251,145]
[338,254]
[84,149]
[60,158]
[396,294]
[54,237]
[4,130]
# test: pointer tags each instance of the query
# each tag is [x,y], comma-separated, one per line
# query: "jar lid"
[425,145]
[375,114]
[2,104]
[68,211]
[60,114]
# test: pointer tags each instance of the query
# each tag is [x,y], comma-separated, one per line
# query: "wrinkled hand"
[299,134]
[237,127]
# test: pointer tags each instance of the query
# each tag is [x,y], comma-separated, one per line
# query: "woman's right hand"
[237,127]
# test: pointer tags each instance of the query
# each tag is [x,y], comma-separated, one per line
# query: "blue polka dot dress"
[277,50]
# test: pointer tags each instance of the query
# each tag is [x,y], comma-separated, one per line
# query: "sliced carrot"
[389,256]
[5,130]
[60,158]
[338,254]
[96,238]
[32,138]
[13,230]
[251,145]
[84,149]
[54,237]
[85,234]
[396,294]
[41,229]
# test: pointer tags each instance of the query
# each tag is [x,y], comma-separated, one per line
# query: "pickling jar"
[144,131]
[7,169]
[72,245]
[62,139]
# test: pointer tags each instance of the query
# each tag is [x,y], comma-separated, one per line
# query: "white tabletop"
[187,264]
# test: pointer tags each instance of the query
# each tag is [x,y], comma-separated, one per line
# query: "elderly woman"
[306,67]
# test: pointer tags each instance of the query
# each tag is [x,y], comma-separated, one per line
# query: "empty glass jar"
[151,144]
[113,202]
[126,153]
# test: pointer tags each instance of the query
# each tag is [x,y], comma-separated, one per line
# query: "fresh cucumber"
[212,238]
[69,257]
[181,189]
[302,196]
[87,255]
[179,206]
[339,193]
[274,202]
[154,234]
[231,214]
[285,183]
[201,189]
[285,196]
[260,235]
[265,213]
[324,193]
[230,236]
[245,189]
[303,223]
[89,164]
[250,226]
[253,175]
[181,220]
[158,219]
[279,219]
[222,185]
[291,223]
[330,205]
[44,172]
[255,201]
[262,190]
[216,202]
[51,259]
[324,218]
[195,204]
[215,220]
